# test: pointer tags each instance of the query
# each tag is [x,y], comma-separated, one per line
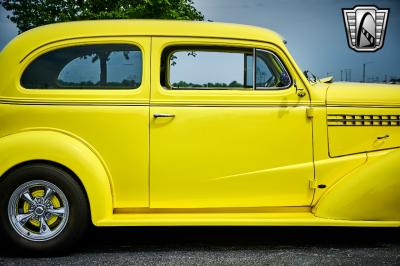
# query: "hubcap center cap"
[39,210]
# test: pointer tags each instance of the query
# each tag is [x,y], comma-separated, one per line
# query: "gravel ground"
[228,246]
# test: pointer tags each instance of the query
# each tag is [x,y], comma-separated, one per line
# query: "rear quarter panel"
[113,123]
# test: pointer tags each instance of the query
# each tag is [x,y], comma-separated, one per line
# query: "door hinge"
[310,112]
[314,184]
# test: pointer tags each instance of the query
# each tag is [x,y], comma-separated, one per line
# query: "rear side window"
[104,66]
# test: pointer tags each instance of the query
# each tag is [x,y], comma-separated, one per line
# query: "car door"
[217,140]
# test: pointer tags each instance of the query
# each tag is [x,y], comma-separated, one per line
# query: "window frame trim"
[254,65]
[281,64]
[184,48]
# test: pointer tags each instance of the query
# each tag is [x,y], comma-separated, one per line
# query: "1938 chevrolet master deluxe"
[126,123]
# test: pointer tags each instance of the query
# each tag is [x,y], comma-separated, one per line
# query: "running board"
[232,219]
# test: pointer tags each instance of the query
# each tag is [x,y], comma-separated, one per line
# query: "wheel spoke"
[44,228]
[58,212]
[27,196]
[48,194]
[23,218]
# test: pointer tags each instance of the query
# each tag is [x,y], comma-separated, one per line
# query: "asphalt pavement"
[227,246]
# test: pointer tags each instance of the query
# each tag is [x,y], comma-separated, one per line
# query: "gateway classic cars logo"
[366,27]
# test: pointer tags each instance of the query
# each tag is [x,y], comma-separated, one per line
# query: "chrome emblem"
[366,27]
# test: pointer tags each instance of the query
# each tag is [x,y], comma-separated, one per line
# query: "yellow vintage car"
[160,123]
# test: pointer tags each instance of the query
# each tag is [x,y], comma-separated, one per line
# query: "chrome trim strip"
[254,68]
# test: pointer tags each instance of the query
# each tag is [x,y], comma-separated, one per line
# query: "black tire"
[77,217]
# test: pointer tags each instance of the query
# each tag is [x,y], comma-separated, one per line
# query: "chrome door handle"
[383,137]
[163,115]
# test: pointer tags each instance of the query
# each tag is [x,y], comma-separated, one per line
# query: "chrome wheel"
[38,210]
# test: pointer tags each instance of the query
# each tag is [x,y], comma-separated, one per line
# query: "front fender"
[66,150]
[372,193]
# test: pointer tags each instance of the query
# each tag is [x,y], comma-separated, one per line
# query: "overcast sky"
[314,30]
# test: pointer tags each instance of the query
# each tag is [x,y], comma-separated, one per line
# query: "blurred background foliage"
[28,14]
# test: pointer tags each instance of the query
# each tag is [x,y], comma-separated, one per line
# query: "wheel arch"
[66,152]
[49,163]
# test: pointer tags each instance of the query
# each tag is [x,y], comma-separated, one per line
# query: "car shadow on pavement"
[225,246]
[222,238]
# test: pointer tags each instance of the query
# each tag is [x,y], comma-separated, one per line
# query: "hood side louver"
[363,120]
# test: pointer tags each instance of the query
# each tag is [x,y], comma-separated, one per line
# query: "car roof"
[40,36]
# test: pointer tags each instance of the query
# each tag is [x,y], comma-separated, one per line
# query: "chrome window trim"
[254,68]
[280,63]
[254,64]
[218,47]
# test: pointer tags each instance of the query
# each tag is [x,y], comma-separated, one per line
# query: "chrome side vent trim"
[363,120]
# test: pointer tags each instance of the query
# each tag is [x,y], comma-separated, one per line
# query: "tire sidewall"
[78,208]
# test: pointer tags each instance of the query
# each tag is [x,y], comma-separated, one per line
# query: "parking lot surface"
[226,246]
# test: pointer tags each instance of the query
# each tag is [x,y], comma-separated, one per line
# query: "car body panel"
[235,219]
[285,162]
[362,118]
[221,138]
[358,136]
[329,171]
[371,193]
[363,94]
[97,126]
[106,119]
[231,161]
[47,144]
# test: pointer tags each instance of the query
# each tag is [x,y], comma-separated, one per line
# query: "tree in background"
[28,14]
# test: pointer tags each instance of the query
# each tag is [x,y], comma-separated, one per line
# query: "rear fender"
[67,150]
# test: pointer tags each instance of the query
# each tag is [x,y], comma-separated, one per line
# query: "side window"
[221,68]
[270,72]
[103,66]
[207,69]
